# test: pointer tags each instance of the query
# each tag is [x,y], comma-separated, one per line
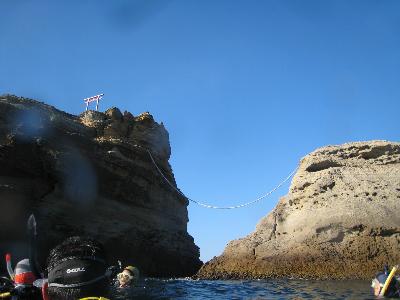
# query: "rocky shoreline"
[340,220]
[91,175]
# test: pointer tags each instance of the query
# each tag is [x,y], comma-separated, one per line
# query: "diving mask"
[124,276]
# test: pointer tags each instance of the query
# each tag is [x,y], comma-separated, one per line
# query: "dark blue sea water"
[245,289]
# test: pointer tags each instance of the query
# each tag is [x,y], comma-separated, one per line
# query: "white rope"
[221,207]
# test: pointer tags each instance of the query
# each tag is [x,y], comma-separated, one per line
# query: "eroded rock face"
[340,219]
[92,175]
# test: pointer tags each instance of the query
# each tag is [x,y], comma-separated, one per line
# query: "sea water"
[245,289]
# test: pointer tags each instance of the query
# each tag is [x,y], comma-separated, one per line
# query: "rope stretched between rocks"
[221,207]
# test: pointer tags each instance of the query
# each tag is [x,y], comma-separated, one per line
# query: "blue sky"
[245,88]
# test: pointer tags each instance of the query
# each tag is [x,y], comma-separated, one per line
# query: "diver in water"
[129,275]
[24,279]
[386,284]
[20,286]
[77,268]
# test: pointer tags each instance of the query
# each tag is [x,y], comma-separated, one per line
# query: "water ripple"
[245,289]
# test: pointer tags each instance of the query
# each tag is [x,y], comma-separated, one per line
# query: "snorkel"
[34,265]
[388,281]
[32,233]
[9,267]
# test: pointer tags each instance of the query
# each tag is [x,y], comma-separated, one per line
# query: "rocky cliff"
[91,175]
[340,219]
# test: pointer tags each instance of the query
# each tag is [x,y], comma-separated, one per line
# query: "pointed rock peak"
[114,113]
[128,116]
[145,117]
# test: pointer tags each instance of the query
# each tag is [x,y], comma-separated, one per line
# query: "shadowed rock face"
[91,175]
[340,219]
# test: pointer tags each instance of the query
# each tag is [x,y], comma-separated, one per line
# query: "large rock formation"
[340,219]
[92,175]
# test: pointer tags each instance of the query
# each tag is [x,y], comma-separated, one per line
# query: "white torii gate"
[92,99]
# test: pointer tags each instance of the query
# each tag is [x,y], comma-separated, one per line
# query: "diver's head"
[23,273]
[77,268]
[393,288]
[128,275]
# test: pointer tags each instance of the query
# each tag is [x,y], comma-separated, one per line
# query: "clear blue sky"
[245,88]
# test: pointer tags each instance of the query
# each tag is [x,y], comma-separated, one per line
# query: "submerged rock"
[340,219]
[92,175]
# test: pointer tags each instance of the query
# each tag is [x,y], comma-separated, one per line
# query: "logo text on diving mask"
[76,270]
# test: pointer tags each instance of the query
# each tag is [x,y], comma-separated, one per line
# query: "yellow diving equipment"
[388,280]
[5,295]
[94,298]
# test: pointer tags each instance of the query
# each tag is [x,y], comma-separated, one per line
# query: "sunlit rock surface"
[91,175]
[340,219]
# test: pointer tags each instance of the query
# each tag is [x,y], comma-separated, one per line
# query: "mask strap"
[107,274]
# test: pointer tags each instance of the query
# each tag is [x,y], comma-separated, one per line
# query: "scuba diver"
[129,275]
[77,269]
[386,284]
[20,285]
